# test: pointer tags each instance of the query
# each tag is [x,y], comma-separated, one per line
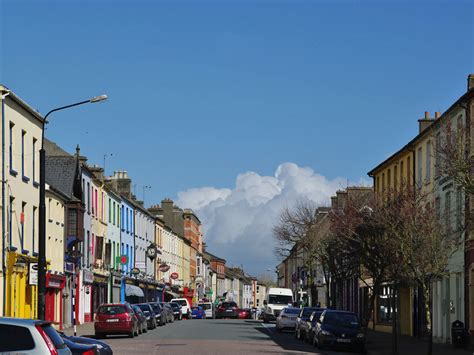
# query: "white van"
[277,299]
[185,306]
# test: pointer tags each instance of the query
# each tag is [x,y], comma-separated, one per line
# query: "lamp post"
[42,209]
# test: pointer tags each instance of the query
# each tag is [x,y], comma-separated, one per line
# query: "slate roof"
[60,173]
[54,150]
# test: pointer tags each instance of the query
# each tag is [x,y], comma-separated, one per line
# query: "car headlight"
[360,335]
[325,332]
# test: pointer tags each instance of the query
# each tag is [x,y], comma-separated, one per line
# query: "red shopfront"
[54,295]
[189,295]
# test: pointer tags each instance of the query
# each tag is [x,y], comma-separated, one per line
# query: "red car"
[244,314]
[115,318]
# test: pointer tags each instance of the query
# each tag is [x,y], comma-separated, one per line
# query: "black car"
[160,315]
[102,348]
[178,314]
[80,349]
[302,322]
[339,328]
[149,313]
[227,310]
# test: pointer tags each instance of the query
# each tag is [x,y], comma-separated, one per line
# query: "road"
[212,336]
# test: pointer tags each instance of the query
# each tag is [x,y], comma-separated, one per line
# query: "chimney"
[470,82]
[437,115]
[424,123]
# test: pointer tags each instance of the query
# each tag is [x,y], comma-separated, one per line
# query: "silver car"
[287,319]
[30,336]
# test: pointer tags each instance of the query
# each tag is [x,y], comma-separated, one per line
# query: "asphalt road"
[213,336]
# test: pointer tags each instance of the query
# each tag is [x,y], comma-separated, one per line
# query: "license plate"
[228,310]
[343,340]
[112,320]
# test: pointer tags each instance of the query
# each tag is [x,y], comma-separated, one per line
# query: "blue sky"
[201,92]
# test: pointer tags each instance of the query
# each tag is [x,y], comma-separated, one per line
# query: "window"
[437,154]
[378,183]
[401,172]
[88,198]
[10,221]
[108,254]
[420,168]
[15,338]
[428,162]
[33,220]
[459,204]
[395,176]
[22,222]
[389,179]
[110,214]
[72,223]
[408,171]
[447,210]
[385,305]
[113,216]
[438,208]
[88,246]
[23,133]
[11,148]
[33,154]
[383,182]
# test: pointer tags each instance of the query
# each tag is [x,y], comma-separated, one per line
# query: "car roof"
[338,311]
[114,304]
[21,321]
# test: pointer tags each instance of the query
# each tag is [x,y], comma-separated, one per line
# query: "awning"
[132,290]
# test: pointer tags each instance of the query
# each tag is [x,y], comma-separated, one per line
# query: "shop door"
[49,306]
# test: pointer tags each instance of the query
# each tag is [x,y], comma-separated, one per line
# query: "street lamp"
[42,209]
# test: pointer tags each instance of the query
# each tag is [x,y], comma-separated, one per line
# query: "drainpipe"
[4,267]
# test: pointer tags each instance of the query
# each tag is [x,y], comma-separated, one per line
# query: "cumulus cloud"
[238,222]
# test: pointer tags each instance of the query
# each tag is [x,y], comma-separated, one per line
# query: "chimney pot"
[427,115]
[437,115]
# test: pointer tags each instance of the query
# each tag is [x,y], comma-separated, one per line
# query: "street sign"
[33,279]
[174,275]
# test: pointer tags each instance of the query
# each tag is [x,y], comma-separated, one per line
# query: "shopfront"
[115,287]
[21,287]
[53,304]
[132,292]
[67,294]
[83,296]
[99,292]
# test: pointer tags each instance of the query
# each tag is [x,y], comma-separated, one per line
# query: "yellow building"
[21,139]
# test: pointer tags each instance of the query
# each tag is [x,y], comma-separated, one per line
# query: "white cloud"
[238,222]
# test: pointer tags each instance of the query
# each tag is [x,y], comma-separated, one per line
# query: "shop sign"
[141,285]
[87,276]
[129,282]
[164,267]
[33,279]
[100,279]
[174,275]
[54,283]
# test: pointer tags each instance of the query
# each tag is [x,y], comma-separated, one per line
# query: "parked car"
[339,328]
[313,318]
[102,347]
[178,314]
[302,324]
[149,313]
[30,337]
[159,314]
[80,349]
[142,323]
[185,306]
[198,313]
[245,313]
[168,312]
[208,307]
[227,310]
[115,318]
[287,318]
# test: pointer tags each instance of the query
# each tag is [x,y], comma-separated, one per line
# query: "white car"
[208,309]
[287,319]
[185,306]
[30,336]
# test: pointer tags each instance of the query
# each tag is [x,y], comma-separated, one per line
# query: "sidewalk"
[86,329]
[379,343]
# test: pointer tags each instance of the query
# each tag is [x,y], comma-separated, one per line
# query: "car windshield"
[54,336]
[144,307]
[206,306]
[292,310]
[111,310]
[341,319]
[181,302]
[280,299]
[307,311]
[174,305]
